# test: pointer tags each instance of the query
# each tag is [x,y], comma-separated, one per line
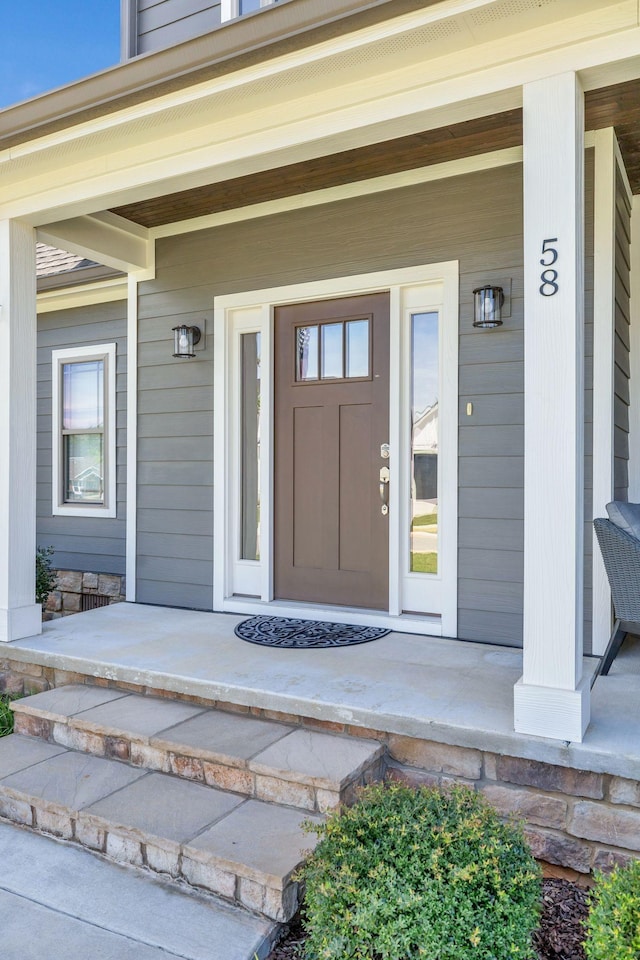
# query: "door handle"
[384,489]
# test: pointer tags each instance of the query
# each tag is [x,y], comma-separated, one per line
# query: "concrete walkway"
[58,902]
[449,691]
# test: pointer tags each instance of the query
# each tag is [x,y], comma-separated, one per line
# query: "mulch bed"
[559,937]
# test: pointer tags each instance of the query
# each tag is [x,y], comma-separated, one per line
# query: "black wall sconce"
[487,306]
[185,339]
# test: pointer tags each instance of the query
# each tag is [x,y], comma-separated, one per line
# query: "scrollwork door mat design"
[304,634]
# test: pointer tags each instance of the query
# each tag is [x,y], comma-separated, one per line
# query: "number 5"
[551,250]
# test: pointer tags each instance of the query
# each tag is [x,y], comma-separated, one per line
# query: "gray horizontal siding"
[161,23]
[175,594]
[507,472]
[490,534]
[491,503]
[501,566]
[490,596]
[621,345]
[490,627]
[93,544]
[175,400]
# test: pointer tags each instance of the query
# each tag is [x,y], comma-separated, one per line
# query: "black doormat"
[304,634]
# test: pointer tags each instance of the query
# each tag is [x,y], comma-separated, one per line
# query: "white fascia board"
[106,238]
[82,295]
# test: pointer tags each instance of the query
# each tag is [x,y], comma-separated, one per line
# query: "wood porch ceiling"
[616,106]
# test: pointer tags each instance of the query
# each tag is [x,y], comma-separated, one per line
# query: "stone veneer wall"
[575,819]
[72,585]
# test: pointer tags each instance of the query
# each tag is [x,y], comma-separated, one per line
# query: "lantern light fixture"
[185,340]
[487,306]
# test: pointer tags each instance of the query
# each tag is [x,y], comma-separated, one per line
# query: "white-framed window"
[84,431]
[230,9]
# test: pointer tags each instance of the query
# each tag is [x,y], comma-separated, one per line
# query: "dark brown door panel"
[331,538]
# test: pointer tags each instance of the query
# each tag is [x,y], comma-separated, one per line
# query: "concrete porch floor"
[449,691]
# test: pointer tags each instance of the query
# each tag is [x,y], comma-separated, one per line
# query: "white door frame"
[412,290]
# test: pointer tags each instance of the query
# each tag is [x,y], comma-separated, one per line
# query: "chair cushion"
[626,516]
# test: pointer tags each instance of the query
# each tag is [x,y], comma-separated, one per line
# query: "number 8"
[549,278]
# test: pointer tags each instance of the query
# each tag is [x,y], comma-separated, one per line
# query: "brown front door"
[331,418]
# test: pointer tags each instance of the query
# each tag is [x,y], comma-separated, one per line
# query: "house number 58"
[549,277]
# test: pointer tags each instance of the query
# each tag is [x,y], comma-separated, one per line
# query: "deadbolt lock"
[384,451]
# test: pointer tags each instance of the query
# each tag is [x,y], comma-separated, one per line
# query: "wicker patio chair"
[621,555]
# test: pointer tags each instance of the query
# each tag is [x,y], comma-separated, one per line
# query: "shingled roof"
[50,261]
[56,269]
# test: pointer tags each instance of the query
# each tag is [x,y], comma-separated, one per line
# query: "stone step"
[59,901]
[241,849]
[264,759]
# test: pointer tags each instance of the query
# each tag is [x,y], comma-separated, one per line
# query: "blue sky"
[45,45]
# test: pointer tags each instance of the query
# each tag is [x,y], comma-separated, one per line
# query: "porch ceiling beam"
[106,238]
[552,697]
[132,158]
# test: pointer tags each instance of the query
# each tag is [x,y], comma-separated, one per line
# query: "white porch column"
[551,699]
[20,616]
[604,294]
[132,438]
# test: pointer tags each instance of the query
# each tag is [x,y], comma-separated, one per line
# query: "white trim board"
[608,163]
[83,295]
[604,244]
[131,559]
[253,310]
[230,9]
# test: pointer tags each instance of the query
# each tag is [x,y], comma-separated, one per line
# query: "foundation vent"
[90,601]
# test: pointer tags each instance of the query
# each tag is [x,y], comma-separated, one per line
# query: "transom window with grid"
[337,350]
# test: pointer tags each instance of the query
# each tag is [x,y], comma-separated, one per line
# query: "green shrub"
[420,873]
[613,924]
[6,714]
[45,577]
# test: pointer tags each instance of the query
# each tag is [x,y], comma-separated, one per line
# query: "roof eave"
[77,277]
[273,31]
